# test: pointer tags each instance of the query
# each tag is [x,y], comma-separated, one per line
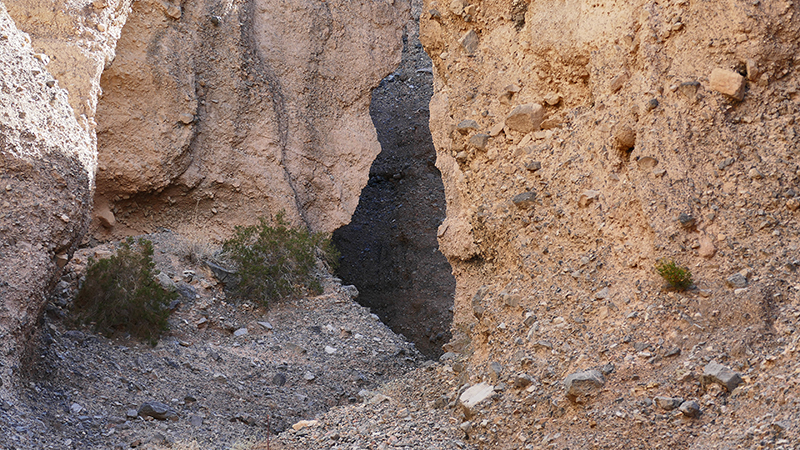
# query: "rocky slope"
[581,142]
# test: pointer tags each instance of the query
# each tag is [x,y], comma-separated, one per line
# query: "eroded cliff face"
[46,171]
[216,113]
[579,142]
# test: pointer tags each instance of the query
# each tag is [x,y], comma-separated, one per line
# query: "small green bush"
[121,294]
[678,277]
[277,261]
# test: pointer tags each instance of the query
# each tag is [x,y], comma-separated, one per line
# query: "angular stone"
[475,395]
[707,249]
[686,220]
[717,373]
[582,384]
[158,411]
[587,197]
[727,82]
[525,118]
[479,141]
[533,166]
[524,200]
[736,281]
[470,42]
[465,126]
[668,403]
[690,408]
[240,332]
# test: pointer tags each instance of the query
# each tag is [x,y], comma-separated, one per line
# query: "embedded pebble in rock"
[479,141]
[525,118]
[465,126]
[686,220]
[524,200]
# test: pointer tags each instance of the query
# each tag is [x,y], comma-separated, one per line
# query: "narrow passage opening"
[389,249]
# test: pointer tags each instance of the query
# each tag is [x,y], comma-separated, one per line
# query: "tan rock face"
[214,119]
[640,137]
[46,163]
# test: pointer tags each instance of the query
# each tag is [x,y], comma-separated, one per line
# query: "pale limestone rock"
[727,82]
[525,118]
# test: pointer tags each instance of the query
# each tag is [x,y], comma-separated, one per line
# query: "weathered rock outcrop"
[46,172]
[214,114]
[669,131]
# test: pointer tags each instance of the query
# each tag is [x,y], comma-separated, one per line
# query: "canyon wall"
[216,113]
[48,89]
[581,142]
[196,116]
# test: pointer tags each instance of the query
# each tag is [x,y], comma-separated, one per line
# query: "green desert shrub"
[677,277]
[275,261]
[120,294]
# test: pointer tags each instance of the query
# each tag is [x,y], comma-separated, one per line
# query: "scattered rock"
[690,409]
[267,326]
[552,98]
[533,166]
[522,380]
[668,403]
[717,373]
[479,141]
[330,350]
[158,411]
[525,118]
[475,395]
[470,42]
[195,420]
[686,220]
[465,126]
[624,138]
[727,82]
[736,281]
[584,384]
[587,197]
[308,376]
[707,248]
[240,332]
[524,200]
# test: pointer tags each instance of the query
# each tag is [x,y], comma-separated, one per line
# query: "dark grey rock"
[668,403]
[686,220]
[690,408]
[524,200]
[226,276]
[479,141]
[522,380]
[158,411]
[465,126]
[717,373]
[533,166]
[279,379]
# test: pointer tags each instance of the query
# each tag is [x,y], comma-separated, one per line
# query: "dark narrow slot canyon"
[389,250]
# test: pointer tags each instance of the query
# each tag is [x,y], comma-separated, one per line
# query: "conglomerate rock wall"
[580,142]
